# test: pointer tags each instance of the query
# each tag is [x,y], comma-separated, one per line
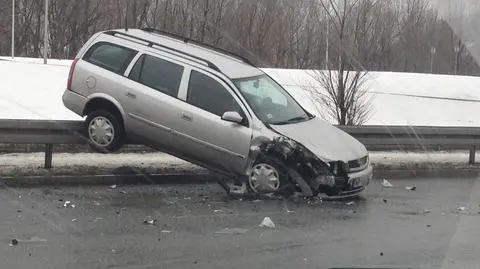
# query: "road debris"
[411,188]
[429,225]
[386,184]
[351,203]
[232,231]
[121,210]
[68,204]
[385,201]
[238,190]
[267,223]
[122,192]
[426,211]
[218,211]
[113,186]
[381,253]
[461,208]
[150,221]
[19,211]
[74,220]
[13,242]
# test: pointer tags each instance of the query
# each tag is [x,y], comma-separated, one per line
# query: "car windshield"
[270,102]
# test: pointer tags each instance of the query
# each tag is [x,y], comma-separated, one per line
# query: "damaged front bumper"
[357,182]
[347,185]
[313,175]
[361,178]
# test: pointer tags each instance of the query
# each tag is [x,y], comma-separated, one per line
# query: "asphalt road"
[386,228]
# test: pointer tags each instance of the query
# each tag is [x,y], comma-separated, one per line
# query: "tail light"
[70,75]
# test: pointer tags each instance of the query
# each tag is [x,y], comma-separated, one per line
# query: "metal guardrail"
[378,137]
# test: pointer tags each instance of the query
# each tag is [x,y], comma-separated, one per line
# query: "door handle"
[131,95]
[187,116]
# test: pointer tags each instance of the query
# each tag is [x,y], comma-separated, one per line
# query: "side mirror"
[232,116]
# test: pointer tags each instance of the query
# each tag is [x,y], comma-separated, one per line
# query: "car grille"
[358,164]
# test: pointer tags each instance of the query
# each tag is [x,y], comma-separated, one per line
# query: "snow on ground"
[18,164]
[31,90]
[401,98]
[59,62]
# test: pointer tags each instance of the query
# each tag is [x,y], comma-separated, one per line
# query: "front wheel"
[105,132]
[269,175]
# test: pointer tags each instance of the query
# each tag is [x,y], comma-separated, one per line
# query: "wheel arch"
[107,102]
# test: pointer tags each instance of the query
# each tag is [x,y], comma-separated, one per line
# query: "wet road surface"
[387,227]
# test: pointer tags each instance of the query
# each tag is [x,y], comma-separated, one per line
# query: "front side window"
[109,56]
[158,74]
[208,94]
[270,102]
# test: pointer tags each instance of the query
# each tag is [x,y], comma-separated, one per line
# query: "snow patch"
[31,90]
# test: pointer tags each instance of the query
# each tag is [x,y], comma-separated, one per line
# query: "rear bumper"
[74,101]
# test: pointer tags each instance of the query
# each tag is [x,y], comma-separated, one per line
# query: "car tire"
[275,168]
[104,131]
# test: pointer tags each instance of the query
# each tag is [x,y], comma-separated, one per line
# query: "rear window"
[109,56]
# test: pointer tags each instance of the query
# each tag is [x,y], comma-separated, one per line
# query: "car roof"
[233,67]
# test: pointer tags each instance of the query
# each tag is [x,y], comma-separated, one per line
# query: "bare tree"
[381,35]
[344,94]
[353,107]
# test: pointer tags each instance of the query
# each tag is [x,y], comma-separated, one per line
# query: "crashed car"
[212,108]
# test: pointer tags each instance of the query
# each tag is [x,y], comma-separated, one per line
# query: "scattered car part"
[267,223]
[411,188]
[387,184]
[13,242]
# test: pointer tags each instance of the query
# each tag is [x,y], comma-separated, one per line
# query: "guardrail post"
[48,156]
[473,150]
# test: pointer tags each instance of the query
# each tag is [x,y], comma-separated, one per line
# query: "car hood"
[324,140]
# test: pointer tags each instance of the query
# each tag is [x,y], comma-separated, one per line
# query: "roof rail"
[151,44]
[189,40]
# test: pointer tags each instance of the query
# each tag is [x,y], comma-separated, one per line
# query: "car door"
[205,136]
[152,100]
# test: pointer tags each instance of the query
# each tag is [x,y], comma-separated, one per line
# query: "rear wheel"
[269,175]
[104,131]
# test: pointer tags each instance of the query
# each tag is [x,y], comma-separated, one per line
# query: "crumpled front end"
[313,175]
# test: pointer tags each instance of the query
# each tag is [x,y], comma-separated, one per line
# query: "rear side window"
[109,56]
[206,93]
[159,74]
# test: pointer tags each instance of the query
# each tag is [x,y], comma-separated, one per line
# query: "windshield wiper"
[292,120]
[301,118]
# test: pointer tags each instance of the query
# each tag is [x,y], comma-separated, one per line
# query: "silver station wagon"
[212,108]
